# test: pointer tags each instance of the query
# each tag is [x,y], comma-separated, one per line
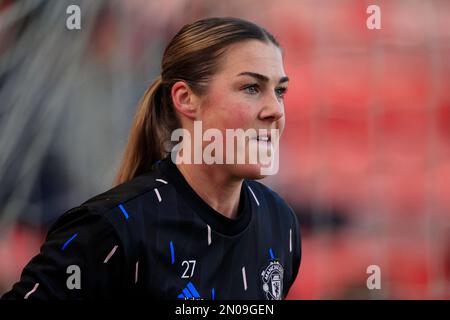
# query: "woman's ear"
[185,100]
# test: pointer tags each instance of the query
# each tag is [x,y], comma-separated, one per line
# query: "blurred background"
[365,157]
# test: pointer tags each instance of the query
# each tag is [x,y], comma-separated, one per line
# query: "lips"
[263,138]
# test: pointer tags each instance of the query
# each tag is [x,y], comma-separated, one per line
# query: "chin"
[248,171]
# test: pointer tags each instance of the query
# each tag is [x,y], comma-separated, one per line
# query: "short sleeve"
[81,259]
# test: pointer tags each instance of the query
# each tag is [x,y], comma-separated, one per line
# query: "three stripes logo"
[190,292]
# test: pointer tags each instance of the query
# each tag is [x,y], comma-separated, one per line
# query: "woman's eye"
[252,89]
[280,92]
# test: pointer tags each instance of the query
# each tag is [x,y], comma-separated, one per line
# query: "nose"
[273,109]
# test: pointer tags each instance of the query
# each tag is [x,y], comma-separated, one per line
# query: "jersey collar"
[213,218]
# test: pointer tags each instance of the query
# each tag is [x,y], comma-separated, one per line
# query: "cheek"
[239,116]
[227,111]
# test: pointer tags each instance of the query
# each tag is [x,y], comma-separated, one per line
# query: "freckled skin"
[228,106]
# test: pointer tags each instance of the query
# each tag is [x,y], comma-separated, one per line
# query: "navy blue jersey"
[154,237]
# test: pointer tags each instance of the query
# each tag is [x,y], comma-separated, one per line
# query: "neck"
[214,186]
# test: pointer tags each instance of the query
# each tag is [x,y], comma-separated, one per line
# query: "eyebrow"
[261,77]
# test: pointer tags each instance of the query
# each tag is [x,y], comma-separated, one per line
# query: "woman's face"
[247,93]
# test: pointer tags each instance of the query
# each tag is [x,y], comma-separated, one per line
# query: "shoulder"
[112,203]
[118,211]
[135,190]
[266,197]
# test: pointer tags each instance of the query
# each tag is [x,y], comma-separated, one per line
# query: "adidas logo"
[190,292]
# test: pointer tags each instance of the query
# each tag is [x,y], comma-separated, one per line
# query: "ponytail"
[151,128]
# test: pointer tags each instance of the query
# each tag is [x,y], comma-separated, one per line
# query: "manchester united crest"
[272,280]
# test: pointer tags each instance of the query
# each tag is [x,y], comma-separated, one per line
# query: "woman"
[173,229]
